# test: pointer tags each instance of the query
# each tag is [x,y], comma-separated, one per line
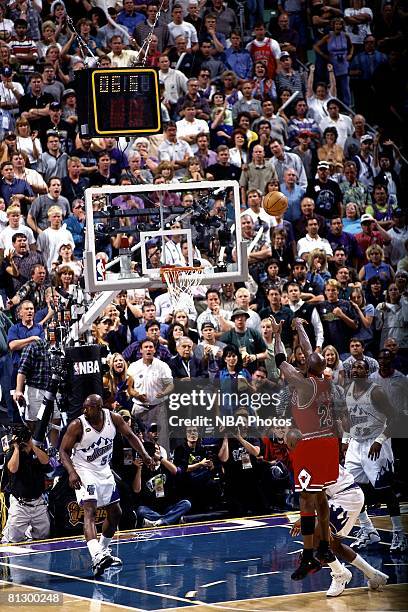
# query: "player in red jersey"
[315,457]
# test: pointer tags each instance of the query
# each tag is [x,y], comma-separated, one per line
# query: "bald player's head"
[316,364]
[92,406]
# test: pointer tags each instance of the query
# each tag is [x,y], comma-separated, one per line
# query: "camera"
[21,435]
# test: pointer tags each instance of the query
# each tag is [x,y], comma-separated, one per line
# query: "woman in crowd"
[330,151]
[366,314]
[232,93]
[239,150]
[174,333]
[334,362]
[318,97]
[233,378]
[376,267]
[194,171]
[118,385]
[318,272]
[63,279]
[48,37]
[181,317]
[374,292]
[351,222]
[337,49]
[221,126]
[66,258]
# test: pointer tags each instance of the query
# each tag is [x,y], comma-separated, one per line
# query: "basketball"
[275,203]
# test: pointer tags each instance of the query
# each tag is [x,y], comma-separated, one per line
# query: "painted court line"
[262,574]
[243,560]
[209,584]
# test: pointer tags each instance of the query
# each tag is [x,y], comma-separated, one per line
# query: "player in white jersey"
[346,499]
[86,450]
[369,455]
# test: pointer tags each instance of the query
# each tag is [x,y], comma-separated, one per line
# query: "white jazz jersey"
[365,421]
[346,500]
[90,458]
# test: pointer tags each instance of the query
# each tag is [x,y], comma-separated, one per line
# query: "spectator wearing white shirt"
[153,381]
[312,240]
[52,238]
[174,150]
[342,123]
[179,27]
[175,82]
[358,18]
[15,225]
[190,127]
[214,314]
[10,91]
[257,213]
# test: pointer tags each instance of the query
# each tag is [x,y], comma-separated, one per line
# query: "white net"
[181,283]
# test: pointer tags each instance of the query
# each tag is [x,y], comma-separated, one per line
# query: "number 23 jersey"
[315,419]
[94,450]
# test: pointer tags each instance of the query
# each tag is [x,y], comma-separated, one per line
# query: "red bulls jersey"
[314,419]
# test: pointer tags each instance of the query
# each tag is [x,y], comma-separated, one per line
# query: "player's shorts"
[380,472]
[315,463]
[104,492]
[344,509]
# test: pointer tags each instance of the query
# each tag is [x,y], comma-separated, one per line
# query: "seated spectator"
[238,455]
[198,467]
[276,468]
[157,500]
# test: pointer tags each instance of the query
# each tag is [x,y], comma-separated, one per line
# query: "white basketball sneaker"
[399,542]
[364,538]
[377,582]
[116,560]
[339,582]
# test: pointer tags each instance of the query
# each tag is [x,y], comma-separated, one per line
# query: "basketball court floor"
[240,564]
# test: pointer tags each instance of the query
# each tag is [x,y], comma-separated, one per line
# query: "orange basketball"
[275,203]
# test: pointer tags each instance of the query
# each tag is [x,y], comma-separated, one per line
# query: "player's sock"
[396,523]
[365,567]
[335,566]
[104,542]
[365,521]
[93,547]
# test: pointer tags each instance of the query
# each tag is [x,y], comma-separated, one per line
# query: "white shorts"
[379,472]
[93,488]
[344,510]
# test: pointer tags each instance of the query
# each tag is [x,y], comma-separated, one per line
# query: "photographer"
[26,467]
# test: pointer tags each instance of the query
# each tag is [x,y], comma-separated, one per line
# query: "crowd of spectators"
[338,258]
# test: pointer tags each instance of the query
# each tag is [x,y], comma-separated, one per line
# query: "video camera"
[21,435]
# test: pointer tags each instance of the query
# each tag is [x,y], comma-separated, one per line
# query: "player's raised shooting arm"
[71,437]
[303,337]
[290,373]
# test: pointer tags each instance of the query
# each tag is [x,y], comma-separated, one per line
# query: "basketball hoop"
[181,282]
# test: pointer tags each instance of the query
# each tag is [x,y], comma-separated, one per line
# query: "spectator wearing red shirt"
[370,236]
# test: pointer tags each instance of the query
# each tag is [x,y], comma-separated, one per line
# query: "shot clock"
[118,102]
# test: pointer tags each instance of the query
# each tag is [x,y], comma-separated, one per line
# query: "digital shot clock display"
[120,102]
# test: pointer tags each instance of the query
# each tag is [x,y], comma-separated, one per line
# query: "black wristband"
[279,359]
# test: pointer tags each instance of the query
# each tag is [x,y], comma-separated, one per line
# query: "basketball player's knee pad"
[307,524]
